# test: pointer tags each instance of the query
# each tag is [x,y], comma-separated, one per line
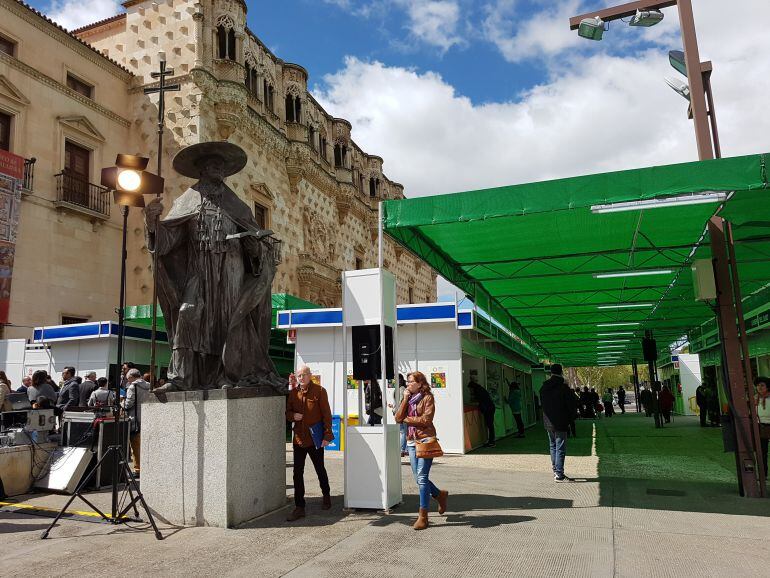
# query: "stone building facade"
[306,178]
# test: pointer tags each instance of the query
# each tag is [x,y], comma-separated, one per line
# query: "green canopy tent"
[570,272]
[281,352]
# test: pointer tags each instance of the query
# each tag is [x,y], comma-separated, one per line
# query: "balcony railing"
[73,191]
[29,174]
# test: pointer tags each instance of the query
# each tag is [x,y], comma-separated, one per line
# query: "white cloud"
[597,112]
[543,34]
[434,22]
[73,14]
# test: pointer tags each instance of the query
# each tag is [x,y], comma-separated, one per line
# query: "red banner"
[11,175]
[11,165]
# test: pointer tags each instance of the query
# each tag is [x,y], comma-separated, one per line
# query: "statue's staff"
[161,89]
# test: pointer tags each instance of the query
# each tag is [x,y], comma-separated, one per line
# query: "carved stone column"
[198,31]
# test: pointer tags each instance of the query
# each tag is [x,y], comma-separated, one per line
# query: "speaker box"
[367,360]
[649,349]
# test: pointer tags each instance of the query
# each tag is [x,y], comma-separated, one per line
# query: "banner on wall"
[11,176]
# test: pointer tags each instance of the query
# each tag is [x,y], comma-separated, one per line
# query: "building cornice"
[48,81]
[57,32]
[99,24]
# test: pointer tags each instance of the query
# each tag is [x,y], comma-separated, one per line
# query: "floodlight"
[676,60]
[646,18]
[632,273]
[679,86]
[591,28]
[129,180]
[694,199]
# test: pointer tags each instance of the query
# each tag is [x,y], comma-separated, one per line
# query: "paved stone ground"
[646,503]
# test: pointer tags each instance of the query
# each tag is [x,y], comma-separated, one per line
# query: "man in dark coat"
[559,409]
[701,399]
[215,270]
[69,394]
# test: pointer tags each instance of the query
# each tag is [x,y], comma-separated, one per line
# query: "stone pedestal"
[213,458]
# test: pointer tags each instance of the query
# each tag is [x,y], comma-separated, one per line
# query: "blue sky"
[318,35]
[467,94]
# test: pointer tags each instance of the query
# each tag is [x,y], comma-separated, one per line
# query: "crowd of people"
[75,392]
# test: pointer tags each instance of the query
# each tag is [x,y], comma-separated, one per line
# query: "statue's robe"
[215,293]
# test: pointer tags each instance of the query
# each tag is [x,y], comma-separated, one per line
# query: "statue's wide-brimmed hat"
[189,160]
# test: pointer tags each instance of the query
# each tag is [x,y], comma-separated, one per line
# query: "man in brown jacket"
[308,405]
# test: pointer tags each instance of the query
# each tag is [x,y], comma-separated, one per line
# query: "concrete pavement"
[647,503]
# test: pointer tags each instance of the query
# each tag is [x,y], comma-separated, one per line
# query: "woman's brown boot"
[441,499]
[422,520]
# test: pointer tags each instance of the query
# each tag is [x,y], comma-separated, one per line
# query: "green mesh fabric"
[528,254]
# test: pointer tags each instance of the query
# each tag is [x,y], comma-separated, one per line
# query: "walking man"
[702,401]
[622,399]
[308,409]
[138,390]
[558,411]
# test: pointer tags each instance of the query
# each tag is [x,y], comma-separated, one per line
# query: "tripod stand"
[116,517]
[120,466]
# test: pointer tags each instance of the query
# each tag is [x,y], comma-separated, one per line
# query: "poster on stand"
[11,175]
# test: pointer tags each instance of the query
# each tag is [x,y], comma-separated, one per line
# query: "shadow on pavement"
[8,528]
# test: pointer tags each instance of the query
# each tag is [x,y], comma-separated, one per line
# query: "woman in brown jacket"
[416,411]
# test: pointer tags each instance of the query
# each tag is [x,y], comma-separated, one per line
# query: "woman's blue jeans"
[403,429]
[421,471]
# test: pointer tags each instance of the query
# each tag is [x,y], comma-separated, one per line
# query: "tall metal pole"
[161,90]
[635,369]
[695,79]
[746,461]
[119,361]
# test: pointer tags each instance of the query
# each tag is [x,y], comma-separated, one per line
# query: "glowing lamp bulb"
[129,180]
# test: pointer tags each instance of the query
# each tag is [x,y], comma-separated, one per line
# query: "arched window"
[293,108]
[252,80]
[268,94]
[340,155]
[373,186]
[311,138]
[225,38]
[322,148]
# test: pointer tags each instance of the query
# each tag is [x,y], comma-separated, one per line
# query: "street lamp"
[642,13]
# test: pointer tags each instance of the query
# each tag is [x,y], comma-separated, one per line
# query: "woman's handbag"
[428,448]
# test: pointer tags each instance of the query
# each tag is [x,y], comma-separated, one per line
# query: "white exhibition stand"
[372,453]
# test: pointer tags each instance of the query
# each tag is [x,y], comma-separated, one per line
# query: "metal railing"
[75,190]
[29,174]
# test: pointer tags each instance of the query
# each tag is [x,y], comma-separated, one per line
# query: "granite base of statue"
[213,438]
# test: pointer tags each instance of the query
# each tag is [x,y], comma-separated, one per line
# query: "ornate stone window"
[340,155]
[374,186]
[322,146]
[268,95]
[311,137]
[226,38]
[293,108]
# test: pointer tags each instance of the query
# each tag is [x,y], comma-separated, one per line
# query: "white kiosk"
[371,453]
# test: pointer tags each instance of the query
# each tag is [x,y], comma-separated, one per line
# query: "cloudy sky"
[467,94]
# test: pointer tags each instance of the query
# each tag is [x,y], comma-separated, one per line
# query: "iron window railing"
[76,190]
[29,174]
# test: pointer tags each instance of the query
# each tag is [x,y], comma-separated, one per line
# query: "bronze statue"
[215,271]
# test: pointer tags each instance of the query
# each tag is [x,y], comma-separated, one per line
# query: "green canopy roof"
[529,254]
[142,314]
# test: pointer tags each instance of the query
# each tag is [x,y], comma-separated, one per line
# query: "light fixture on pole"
[129,181]
[591,28]
[679,86]
[646,18]
[678,201]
